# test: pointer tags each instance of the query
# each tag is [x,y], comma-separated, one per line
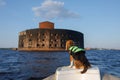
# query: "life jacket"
[75,49]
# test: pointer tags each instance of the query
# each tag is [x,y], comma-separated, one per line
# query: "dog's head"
[69,43]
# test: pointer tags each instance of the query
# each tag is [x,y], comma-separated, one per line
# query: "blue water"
[15,65]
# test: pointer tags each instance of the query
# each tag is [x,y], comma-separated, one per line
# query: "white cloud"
[51,9]
[2,3]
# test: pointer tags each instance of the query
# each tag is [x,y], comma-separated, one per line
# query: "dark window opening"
[43,39]
[43,45]
[38,45]
[55,45]
[30,39]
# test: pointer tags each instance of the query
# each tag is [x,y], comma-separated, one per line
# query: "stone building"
[46,38]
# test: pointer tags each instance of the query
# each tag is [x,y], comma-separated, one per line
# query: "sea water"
[20,65]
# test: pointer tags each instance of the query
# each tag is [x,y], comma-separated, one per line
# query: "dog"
[77,57]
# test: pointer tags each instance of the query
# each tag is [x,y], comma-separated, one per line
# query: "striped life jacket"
[75,49]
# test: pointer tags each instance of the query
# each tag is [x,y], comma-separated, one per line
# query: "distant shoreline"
[85,49]
[8,48]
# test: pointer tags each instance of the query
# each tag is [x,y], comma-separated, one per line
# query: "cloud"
[2,3]
[51,9]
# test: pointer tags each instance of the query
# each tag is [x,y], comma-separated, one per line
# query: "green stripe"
[79,49]
[71,48]
[75,49]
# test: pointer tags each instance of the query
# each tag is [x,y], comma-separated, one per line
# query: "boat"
[67,73]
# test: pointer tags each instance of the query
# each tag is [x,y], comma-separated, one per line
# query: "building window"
[22,45]
[43,39]
[62,35]
[43,34]
[31,35]
[56,34]
[51,34]
[43,45]
[55,45]
[62,45]
[62,40]
[51,40]
[30,40]
[55,40]
[38,45]
[49,45]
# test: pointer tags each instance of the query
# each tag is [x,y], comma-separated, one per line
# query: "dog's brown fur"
[68,44]
[79,58]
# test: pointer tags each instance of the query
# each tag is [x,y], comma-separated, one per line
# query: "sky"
[98,20]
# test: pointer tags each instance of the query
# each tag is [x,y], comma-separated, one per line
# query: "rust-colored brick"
[46,25]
